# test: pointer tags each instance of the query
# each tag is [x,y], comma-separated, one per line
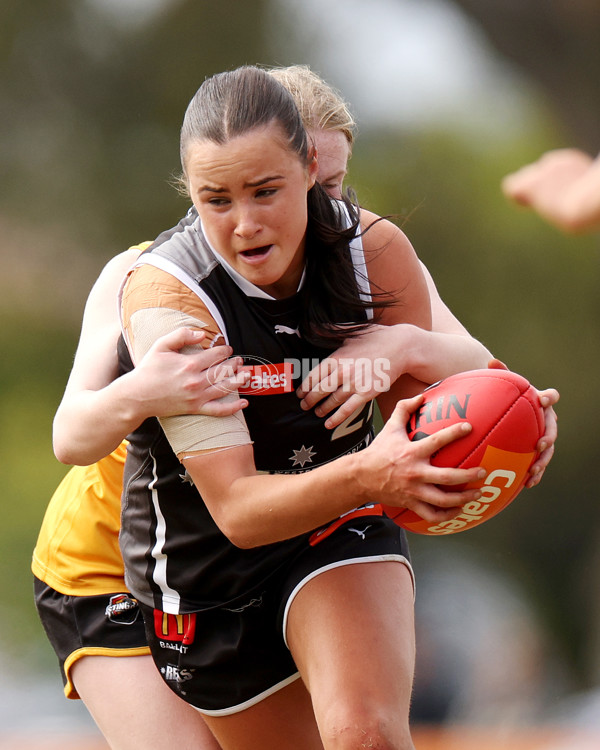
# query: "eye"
[333,188]
[266,192]
[218,201]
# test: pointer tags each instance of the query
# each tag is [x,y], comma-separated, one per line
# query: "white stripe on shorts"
[339,564]
[251,701]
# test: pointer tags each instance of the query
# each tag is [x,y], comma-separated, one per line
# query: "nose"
[247,225]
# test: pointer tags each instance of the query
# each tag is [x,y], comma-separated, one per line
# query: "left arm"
[396,350]
[427,352]
[411,353]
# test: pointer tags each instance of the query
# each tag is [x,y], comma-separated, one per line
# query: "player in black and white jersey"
[252,576]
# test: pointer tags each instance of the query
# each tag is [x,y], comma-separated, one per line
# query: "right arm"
[99,409]
[254,509]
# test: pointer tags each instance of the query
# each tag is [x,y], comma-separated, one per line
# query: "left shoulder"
[393,266]
[379,232]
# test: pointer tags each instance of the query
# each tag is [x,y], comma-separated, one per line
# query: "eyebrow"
[253,183]
[336,176]
[258,183]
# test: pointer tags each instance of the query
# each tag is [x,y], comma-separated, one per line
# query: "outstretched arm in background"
[563,187]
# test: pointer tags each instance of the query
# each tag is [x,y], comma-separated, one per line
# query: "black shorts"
[225,659]
[101,625]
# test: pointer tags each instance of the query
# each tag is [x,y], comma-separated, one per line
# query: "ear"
[313,166]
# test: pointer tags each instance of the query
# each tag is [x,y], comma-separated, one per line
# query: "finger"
[535,476]
[548,397]
[224,408]
[518,184]
[550,430]
[324,389]
[345,410]
[177,339]
[434,514]
[312,379]
[438,440]
[222,370]
[228,385]
[322,379]
[335,401]
[449,476]
[222,352]
[403,409]
[539,467]
[439,505]
[496,364]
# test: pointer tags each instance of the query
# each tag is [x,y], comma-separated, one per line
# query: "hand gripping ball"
[508,421]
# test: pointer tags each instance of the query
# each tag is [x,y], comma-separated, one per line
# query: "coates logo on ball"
[508,421]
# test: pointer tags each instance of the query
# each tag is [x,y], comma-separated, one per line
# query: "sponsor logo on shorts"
[362,534]
[177,676]
[122,609]
[175,632]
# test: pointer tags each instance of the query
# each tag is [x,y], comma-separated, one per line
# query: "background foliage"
[90,110]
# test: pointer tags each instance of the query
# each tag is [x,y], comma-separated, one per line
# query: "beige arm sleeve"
[192,432]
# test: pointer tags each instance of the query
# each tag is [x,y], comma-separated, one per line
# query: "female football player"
[277,595]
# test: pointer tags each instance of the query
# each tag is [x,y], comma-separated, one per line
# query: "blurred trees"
[556,43]
[91,110]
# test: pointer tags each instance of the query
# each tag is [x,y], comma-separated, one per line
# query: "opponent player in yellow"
[81,596]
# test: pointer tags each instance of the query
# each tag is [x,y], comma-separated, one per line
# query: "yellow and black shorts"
[100,625]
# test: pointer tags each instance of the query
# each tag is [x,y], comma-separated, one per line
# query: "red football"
[507,419]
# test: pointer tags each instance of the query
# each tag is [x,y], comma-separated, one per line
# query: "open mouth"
[256,253]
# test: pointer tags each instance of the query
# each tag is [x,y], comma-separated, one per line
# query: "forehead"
[262,149]
[333,150]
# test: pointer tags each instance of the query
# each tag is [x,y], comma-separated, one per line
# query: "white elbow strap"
[188,433]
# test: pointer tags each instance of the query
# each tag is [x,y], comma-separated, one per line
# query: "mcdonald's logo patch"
[175,628]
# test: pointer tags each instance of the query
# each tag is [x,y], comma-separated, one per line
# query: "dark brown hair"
[233,103]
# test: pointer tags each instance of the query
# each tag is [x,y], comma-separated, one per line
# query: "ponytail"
[333,309]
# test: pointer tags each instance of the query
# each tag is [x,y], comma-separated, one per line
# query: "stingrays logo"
[122,609]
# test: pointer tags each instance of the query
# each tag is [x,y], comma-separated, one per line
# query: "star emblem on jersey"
[186,478]
[303,456]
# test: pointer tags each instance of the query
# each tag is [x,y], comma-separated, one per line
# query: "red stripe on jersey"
[323,533]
